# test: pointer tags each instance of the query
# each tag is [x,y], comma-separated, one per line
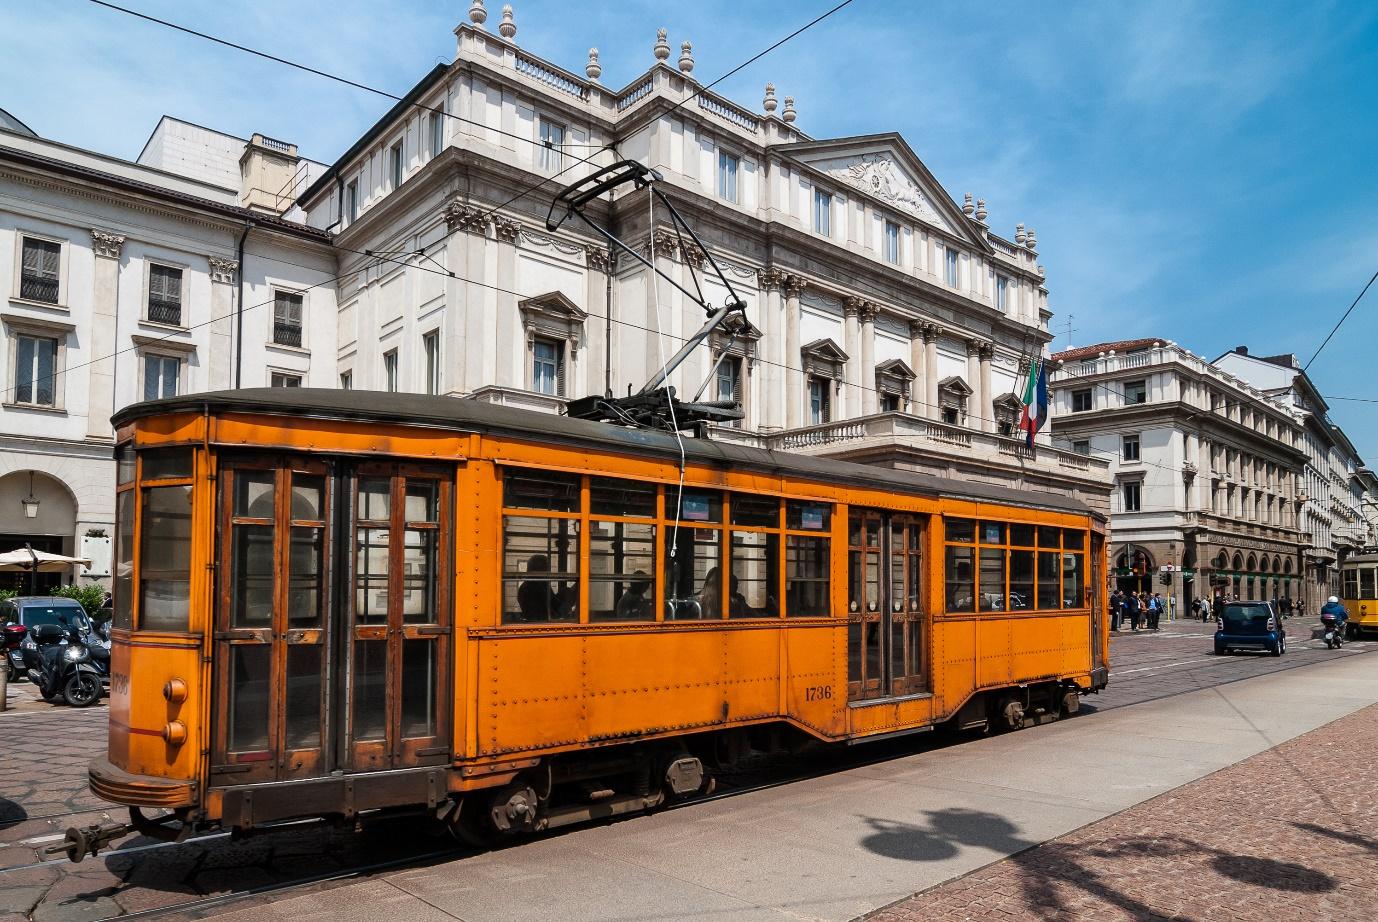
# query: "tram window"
[308,497]
[253,493]
[165,558]
[808,516]
[960,581]
[250,673]
[853,651]
[1350,590]
[962,530]
[371,572]
[992,579]
[418,688]
[421,503]
[863,564]
[419,577]
[251,576]
[1367,587]
[166,463]
[1049,536]
[303,717]
[627,498]
[540,570]
[1072,589]
[622,571]
[755,566]
[523,489]
[1021,580]
[375,499]
[124,464]
[124,559]
[992,533]
[762,511]
[693,580]
[1022,535]
[1049,580]
[699,505]
[806,575]
[1072,539]
[370,690]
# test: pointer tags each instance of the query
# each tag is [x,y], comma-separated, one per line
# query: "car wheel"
[1279,648]
[82,690]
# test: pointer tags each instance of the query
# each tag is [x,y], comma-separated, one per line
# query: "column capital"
[106,243]
[869,311]
[795,285]
[664,244]
[973,346]
[925,330]
[691,255]
[770,278]
[852,305]
[986,351]
[507,230]
[463,216]
[223,270]
[599,260]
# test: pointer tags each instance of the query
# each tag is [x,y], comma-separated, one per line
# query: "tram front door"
[332,623]
[886,654]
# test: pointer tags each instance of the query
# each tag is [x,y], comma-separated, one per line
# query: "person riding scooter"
[1333,619]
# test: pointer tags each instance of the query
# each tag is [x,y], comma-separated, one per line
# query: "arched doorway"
[1236,576]
[1134,569]
[37,510]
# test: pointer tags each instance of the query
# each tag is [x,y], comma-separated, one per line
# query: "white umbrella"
[29,560]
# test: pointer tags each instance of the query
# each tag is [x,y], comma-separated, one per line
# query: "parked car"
[1250,626]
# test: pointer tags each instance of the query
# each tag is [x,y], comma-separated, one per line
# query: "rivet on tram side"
[175,691]
[175,733]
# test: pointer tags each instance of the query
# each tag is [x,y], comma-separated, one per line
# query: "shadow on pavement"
[11,812]
[1363,842]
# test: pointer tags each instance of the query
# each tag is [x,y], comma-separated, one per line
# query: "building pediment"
[895,368]
[955,386]
[885,167]
[1009,403]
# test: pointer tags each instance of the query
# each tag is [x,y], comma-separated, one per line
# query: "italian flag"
[1035,400]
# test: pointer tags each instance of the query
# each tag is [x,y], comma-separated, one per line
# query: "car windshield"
[1246,618]
[65,615]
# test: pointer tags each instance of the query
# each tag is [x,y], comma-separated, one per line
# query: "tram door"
[1097,598]
[397,641]
[886,654]
[271,625]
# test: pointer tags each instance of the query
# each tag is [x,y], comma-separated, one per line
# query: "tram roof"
[1368,556]
[482,417]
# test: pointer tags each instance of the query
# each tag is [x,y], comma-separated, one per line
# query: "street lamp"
[30,502]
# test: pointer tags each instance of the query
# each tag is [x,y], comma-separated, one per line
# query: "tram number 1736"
[818,693]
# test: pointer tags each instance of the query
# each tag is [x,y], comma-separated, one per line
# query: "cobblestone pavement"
[1291,833]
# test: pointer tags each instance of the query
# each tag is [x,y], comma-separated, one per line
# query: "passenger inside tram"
[537,599]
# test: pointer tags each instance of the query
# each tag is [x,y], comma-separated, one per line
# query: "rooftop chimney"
[1241,350]
[268,175]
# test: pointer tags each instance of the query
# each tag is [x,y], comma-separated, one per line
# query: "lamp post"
[30,502]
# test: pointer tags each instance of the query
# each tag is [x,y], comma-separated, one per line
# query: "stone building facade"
[1208,470]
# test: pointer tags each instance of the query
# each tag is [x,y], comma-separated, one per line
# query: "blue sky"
[1203,172]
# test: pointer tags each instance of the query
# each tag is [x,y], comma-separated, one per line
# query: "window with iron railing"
[165,295]
[40,270]
[287,319]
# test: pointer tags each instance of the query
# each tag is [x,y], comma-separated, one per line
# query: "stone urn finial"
[507,28]
[789,115]
[967,206]
[1019,235]
[593,69]
[686,58]
[981,210]
[769,103]
[477,14]
[662,47]
[1032,239]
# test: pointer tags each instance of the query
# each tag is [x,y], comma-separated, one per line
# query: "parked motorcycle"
[63,665]
[1332,632]
[11,636]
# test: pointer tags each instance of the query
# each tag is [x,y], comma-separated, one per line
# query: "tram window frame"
[122,567]
[1350,584]
[754,529]
[692,595]
[1042,562]
[630,509]
[805,536]
[1368,589]
[174,470]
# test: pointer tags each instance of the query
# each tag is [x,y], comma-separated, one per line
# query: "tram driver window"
[693,556]
[540,545]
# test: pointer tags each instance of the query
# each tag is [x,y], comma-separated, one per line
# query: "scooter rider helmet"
[1334,601]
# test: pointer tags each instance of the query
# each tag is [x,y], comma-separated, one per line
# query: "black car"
[1250,626]
[31,610]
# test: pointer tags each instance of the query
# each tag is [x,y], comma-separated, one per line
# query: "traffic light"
[1165,579]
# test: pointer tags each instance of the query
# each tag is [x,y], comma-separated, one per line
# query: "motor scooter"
[11,636]
[1332,632]
[64,666]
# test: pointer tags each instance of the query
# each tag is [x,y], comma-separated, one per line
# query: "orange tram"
[340,604]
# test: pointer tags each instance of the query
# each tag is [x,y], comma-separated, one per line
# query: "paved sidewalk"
[1291,833]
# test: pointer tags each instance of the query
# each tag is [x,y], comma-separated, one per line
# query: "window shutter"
[33,257]
[737,382]
[52,255]
[560,370]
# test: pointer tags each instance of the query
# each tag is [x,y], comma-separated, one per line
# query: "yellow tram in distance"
[338,604]
[1359,591]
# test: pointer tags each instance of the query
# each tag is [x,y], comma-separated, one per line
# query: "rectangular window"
[951,416]
[892,243]
[40,270]
[287,315]
[352,201]
[727,176]
[395,164]
[693,576]
[161,375]
[806,576]
[820,400]
[1130,445]
[35,372]
[889,403]
[754,565]
[950,266]
[165,558]
[283,379]
[390,370]
[540,547]
[1130,492]
[1081,401]
[437,132]
[552,144]
[346,380]
[165,295]
[1082,447]
[548,367]
[822,213]
[1002,293]
[622,562]
[1135,392]
[729,383]
[431,341]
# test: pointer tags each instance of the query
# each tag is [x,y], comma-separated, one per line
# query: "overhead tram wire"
[335,278]
[1343,317]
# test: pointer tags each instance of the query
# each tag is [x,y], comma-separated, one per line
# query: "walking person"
[1134,611]
[1155,610]
[1116,601]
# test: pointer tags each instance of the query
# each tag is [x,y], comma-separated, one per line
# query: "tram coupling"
[80,842]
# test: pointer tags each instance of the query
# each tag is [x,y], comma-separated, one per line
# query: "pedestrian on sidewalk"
[1155,610]
[1116,609]
[1133,605]
[1218,609]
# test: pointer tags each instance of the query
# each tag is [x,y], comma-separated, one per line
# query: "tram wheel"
[470,823]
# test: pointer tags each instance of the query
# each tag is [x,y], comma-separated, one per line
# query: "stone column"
[224,273]
[498,369]
[987,421]
[1192,453]
[466,338]
[918,361]
[770,409]
[851,374]
[973,376]
[601,328]
[794,378]
[870,400]
[104,306]
[930,348]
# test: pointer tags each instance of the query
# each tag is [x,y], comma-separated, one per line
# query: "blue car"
[1250,626]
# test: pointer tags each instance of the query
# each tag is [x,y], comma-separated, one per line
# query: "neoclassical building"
[888,323]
